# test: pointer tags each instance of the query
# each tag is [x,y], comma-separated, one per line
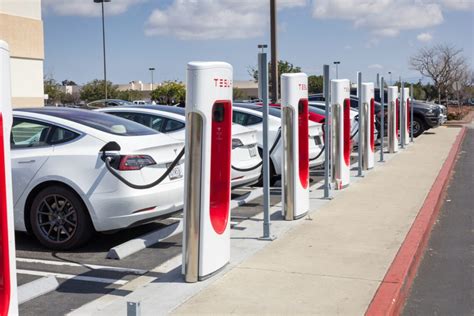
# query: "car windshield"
[100,121]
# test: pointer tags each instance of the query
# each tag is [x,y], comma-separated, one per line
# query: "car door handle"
[26,161]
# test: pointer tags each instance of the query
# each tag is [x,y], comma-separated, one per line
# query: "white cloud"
[458,4]
[375,66]
[87,8]
[212,19]
[381,17]
[424,37]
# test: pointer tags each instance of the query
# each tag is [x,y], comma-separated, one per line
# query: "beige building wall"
[22,28]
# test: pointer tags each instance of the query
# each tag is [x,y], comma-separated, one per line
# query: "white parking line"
[93,307]
[89,266]
[72,277]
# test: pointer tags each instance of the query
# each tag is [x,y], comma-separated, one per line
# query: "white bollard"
[341,132]
[367,126]
[295,158]
[8,284]
[206,238]
[392,113]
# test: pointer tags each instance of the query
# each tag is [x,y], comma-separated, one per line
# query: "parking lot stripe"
[89,266]
[72,277]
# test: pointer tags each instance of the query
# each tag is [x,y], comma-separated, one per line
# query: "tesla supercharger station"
[341,132]
[295,158]
[8,287]
[367,126]
[206,238]
[392,113]
[406,116]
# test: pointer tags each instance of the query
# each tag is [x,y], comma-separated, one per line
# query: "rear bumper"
[124,208]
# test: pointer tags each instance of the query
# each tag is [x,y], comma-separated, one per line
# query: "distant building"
[248,87]
[137,85]
[22,28]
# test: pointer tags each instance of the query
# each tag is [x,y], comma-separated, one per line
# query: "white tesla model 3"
[62,188]
[171,120]
[251,116]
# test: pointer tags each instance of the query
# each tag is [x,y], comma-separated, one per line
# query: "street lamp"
[151,70]
[103,43]
[337,70]
[390,74]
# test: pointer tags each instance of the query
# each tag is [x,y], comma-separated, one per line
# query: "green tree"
[129,95]
[169,92]
[284,67]
[52,89]
[239,94]
[315,84]
[94,90]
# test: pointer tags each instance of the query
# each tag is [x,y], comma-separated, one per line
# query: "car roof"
[259,108]
[85,118]
[166,108]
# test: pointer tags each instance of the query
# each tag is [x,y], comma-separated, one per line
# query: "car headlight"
[236,143]
[430,111]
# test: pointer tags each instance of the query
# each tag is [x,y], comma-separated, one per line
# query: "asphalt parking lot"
[86,274]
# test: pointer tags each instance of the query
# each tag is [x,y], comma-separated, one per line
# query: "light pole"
[151,70]
[103,43]
[337,70]
[390,74]
[273,40]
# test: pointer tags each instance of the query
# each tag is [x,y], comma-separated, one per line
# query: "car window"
[27,133]
[152,121]
[61,135]
[172,126]
[97,120]
[239,118]
[252,119]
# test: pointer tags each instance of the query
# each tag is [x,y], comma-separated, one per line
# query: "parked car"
[251,116]
[425,115]
[320,107]
[98,104]
[317,100]
[171,121]
[62,188]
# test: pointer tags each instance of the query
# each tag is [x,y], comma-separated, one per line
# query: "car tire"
[59,219]
[418,126]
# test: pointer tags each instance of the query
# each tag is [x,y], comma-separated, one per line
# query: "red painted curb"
[392,292]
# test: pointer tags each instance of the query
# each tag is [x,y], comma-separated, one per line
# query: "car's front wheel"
[59,219]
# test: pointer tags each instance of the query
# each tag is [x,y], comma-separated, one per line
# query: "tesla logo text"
[303,86]
[222,83]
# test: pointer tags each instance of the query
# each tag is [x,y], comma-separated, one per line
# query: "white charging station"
[392,113]
[295,158]
[8,284]
[206,238]
[341,132]
[406,115]
[367,126]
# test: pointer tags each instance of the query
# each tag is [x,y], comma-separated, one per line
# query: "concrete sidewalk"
[333,264]
[330,264]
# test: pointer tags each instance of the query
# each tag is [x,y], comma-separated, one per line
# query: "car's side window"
[29,133]
[253,120]
[61,135]
[136,117]
[239,118]
[157,123]
[173,125]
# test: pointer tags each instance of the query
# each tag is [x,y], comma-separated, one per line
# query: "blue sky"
[365,35]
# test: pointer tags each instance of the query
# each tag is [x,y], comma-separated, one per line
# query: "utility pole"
[273,40]
[103,44]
